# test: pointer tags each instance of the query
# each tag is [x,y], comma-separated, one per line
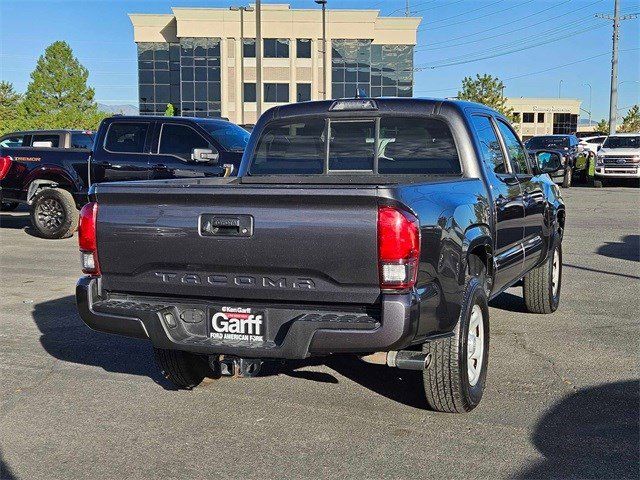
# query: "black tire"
[54,213]
[538,285]
[185,370]
[568,176]
[446,379]
[8,206]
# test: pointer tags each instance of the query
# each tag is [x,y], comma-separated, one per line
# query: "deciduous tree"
[631,121]
[485,89]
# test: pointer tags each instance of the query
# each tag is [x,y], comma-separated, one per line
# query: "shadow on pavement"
[592,433]
[18,221]
[5,471]
[628,249]
[509,302]
[64,336]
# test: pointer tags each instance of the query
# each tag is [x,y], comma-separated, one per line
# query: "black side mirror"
[204,155]
[548,162]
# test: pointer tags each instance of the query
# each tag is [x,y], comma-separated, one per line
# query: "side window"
[12,141]
[49,141]
[126,137]
[180,140]
[82,140]
[515,150]
[489,144]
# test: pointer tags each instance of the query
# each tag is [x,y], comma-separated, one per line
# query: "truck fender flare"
[478,239]
[53,179]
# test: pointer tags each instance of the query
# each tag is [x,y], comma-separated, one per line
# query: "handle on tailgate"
[212,225]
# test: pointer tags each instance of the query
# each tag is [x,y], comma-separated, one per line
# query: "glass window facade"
[158,77]
[303,92]
[276,92]
[200,77]
[565,123]
[249,48]
[276,48]
[303,48]
[375,70]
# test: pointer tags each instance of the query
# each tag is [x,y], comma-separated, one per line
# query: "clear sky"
[525,37]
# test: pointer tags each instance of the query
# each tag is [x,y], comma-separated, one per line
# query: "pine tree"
[485,89]
[631,121]
[602,126]
[58,84]
[10,103]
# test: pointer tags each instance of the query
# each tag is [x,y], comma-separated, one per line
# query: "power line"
[493,28]
[448,62]
[467,12]
[502,34]
[482,16]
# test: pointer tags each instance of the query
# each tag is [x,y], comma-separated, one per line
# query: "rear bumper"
[292,332]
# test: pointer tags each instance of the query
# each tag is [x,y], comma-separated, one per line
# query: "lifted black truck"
[372,227]
[51,171]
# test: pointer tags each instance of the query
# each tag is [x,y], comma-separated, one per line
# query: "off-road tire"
[185,370]
[66,214]
[445,380]
[537,286]
[568,177]
[8,206]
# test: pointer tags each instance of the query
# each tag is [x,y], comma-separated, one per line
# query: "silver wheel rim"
[555,273]
[475,345]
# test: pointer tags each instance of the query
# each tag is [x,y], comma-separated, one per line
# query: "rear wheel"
[541,286]
[185,370]
[8,206]
[455,379]
[54,213]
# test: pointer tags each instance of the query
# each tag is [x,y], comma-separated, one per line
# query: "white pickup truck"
[619,157]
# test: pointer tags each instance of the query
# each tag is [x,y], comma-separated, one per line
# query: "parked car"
[51,172]
[375,227]
[619,158]
[75,143]
[592,144]
[574,157]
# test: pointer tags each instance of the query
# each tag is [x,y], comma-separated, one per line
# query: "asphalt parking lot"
[562,397]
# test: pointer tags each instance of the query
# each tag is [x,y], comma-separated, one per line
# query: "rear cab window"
[82,140]
[14,141]
[46,141]
[383,145]
[126,137]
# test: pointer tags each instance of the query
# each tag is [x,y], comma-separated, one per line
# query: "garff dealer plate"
[236,324]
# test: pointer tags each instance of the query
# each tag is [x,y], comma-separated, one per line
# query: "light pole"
[589,85]
[560,88]
[324,46]
[241,10]
[258,61]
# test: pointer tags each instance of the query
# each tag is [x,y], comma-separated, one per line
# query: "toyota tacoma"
[375,227]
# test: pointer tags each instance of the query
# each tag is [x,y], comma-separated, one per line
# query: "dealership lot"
[562,395]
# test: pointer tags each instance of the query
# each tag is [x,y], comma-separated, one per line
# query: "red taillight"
[87,239]
[5,165]
[398,248]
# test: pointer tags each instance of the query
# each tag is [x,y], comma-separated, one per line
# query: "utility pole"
[407,12]
[589,85]
[324,47]
[241,10]
[613,98]
[560,88]
[258,60]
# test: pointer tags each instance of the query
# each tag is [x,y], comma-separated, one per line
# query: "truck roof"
[164,118]
[54,131]
[384,104]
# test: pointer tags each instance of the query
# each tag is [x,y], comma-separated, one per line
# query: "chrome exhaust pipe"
[403,359]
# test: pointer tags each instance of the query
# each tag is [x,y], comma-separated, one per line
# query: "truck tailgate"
[311,245]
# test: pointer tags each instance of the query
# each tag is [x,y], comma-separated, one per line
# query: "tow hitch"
[404,359]
[235,366]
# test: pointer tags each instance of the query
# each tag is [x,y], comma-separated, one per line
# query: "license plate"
[236,324]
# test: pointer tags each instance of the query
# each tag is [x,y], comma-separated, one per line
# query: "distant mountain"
[119,109]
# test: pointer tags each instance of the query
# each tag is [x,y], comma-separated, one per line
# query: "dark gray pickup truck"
[372,227]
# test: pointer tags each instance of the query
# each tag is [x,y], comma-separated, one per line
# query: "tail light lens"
[87,239]
[398,248]
[5,165]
